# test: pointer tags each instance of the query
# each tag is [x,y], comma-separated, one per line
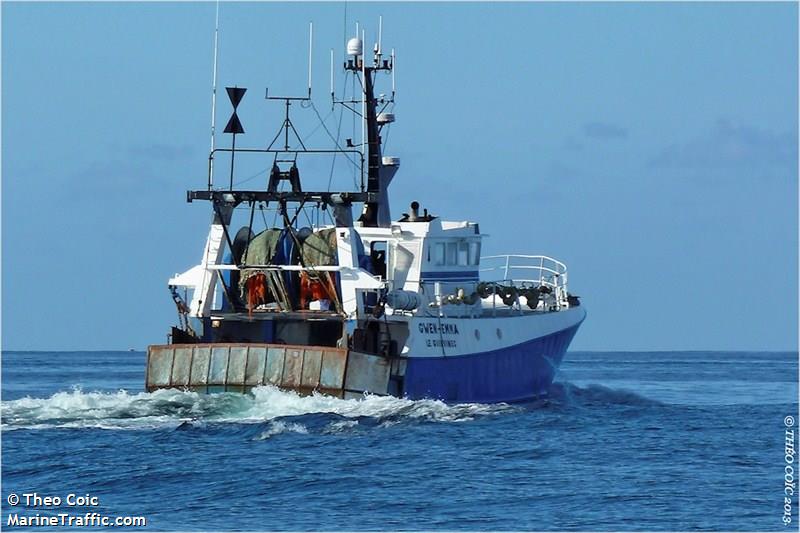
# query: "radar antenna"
[380,171]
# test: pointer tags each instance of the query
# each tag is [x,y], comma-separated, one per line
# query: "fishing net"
[259,252]
[319,248]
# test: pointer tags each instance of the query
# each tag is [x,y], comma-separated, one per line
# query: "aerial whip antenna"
[363,104]
[333,91]
[380,32]
[214,101]
[310,50]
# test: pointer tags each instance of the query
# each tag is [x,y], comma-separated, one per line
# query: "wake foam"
[278,427]
[186,410]
[181,410]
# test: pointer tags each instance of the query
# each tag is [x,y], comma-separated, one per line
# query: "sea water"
[625,441]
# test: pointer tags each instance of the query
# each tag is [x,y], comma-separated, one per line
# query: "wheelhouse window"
[463,253]
[455,253]
[452,248]
[438,254]
[474,252]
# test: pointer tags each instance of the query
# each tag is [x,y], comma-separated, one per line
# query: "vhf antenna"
[333,91]
[310,50]
[214,101]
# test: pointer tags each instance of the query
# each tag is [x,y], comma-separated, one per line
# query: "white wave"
[270,402]
[97,409]
[278,427]
[171,408]
[340,426]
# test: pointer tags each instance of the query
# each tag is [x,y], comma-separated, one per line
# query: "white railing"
[526,271]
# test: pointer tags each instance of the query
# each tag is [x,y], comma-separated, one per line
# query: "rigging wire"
[275,219]
[305,139]
[316,128]
[335,140]
[385,141]
[333,159]
[254,176]
[310,222]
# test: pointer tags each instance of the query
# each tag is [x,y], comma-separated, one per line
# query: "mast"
[376,213]
[373,140]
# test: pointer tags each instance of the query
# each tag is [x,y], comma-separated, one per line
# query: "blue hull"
[513,374]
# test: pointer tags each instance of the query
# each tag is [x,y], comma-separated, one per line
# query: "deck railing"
[526,271]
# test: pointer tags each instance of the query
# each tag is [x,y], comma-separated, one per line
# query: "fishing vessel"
[323,301]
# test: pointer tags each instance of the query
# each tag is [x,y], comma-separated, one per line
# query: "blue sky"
[653,147]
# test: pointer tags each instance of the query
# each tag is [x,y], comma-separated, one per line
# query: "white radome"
[355,47]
